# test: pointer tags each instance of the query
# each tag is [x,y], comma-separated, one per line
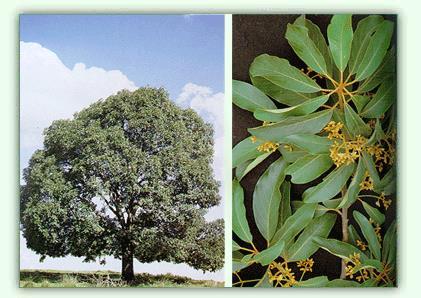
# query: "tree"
[130,177]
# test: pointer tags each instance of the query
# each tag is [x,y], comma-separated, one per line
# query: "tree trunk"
[127,272]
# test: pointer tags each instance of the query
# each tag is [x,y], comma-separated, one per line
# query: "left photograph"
[121,150]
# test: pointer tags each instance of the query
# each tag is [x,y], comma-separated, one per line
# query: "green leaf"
[264,282]
[267,197]
[312,144]
[308,168]
[279,72]
[298,110]
[389,245]
[235,246]
[371,168]
[353,235]
[388,183]
[291,156]
[376,50]
[282,95]
[369,234]
[308,124]
[353,190]
[239,220]
[331,185]
[315,282]
[360,101]
[266,256]
[295,223]
[305,48]
[285,205]
[383,73]
[356,126]
[320,209]
[339,34]
[342,283]
[381,102]
[374,213]
[369,283]
[250,98]
[362,36]
[338,116]
[304,247]
[242,170]
[378,134]
[338,248]
[244,151]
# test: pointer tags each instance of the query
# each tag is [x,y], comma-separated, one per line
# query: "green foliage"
[128,176]
[334,126]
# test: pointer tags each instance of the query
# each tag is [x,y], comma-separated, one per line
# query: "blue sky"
[151,50]
[69,61]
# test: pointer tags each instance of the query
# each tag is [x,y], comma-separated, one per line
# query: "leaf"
[339,34]
[308,168]
[235,246]
[342,283]
[305,48]
[282,95]
[389,245]
[295,223]
[371,168]
[387,184]
[338,116]
[369,234]
[250,98]
[362,36]
[374,213]
[245,150]
[279,72]
[338,248]
[353,235]
[331,185]
[267,197]
[266,256]
[369,283]
[383,73]
[320,209]
[315,282]
[380,102]
[304,247]
[291,156]
[375,51]
[250,165]
[264,282]
[353,190]
[239,219]
[308,124]
[312,144]
[298,110]
[378,134]
[356,126]
[360,101]
[285,205]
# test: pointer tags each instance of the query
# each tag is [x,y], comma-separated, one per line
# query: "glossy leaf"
[312,144]
[362,36]
[389,245]
[308,124]
[376,50]
[330,186]
[244,151]
[339,34]
[239,220]
[320,209]
[353,190]
[299,39]
[378,134]
[242,170]
[293,155]
[371,168]
[250,98]
[304,247]
[356,126]
[298,110]
[295,223]
[373,213]
[360,101]
[369,234]
[342,283]
[266,256]
[309,167]
[285,205]
[267,197]
[380,102]
[315,282]
[338,248]
[235,246]
[281,73]
[353,235]
[264,282]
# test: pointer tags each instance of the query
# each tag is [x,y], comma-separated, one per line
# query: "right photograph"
[314,151]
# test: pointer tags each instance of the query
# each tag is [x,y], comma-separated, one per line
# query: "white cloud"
[50,90]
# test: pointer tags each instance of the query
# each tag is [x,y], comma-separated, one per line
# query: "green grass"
[101,279]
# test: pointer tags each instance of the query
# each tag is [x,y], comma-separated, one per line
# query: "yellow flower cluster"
[381,155]
[382,200]
[361,245]
[335,130]
[367,183]
[306,265]
[266,146]
[353,262]
[283,276]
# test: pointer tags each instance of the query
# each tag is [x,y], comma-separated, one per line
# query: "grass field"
[100,279]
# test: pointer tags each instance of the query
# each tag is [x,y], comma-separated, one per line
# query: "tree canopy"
[129,176]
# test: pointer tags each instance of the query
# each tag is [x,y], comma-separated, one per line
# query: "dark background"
[259,34]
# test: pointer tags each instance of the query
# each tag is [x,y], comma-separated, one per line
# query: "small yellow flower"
[253,139]
[268,147]
[306,265]
[361,245]
[367,183]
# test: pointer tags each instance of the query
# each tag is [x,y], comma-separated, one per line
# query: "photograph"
[121,151]
[314,134]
